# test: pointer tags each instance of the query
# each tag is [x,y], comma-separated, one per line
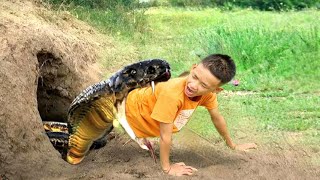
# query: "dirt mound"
[44,65]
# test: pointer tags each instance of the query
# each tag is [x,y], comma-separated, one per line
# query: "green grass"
[268,47]
[264,114]
[118,22]
[277,55]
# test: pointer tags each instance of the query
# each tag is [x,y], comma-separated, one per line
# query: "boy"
[166,110]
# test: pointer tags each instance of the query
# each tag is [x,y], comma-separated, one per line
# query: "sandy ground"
[121,159]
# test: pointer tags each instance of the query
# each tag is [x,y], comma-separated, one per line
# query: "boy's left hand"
[246,146]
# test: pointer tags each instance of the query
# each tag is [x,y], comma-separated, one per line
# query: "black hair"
[221,66]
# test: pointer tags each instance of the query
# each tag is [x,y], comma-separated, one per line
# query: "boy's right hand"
[179,169]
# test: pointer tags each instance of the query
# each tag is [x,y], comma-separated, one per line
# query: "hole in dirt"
[53,99]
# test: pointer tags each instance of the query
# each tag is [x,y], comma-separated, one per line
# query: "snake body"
[92,112]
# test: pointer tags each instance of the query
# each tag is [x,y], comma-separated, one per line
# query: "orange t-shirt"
[169,104]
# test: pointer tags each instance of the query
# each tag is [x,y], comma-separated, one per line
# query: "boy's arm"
[177,169]
[221,126]
[165,145]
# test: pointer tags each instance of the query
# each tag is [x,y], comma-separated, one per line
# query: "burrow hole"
[53,98]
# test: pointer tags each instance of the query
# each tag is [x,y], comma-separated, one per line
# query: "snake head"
[140,74]
[156,70]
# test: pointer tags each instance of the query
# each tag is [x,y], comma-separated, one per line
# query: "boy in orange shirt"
[167,109]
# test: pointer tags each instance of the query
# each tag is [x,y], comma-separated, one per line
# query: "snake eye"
[151,70]
[129,73]
[133,72]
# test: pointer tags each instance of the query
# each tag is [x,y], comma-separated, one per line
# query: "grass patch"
[264,114]
[119,22]
[268,47]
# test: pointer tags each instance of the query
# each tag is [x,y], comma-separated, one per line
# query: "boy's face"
[200,82]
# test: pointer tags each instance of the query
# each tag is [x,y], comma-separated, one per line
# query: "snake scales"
[92,112]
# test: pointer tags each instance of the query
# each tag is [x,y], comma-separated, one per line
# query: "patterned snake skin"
[91,113]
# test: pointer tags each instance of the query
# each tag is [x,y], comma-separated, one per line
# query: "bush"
[98,4]
[276,4]
[255,4]
[184,3]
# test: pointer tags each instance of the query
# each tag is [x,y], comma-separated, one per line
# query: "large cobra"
[92,112]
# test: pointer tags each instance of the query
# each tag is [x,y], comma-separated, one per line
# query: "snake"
[92,112]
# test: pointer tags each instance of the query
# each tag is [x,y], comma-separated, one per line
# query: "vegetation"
[118,17]
[277,56]
[278,5]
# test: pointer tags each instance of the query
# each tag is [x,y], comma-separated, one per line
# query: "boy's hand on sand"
[246,146]
[179,169]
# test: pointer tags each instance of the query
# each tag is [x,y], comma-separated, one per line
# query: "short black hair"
[221,66]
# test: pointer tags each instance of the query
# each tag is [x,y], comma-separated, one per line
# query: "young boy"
[167,109]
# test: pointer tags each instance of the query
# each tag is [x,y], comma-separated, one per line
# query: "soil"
[46,60]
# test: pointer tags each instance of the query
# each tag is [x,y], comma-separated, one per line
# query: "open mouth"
[164,76]
[167,74]
[188,91]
